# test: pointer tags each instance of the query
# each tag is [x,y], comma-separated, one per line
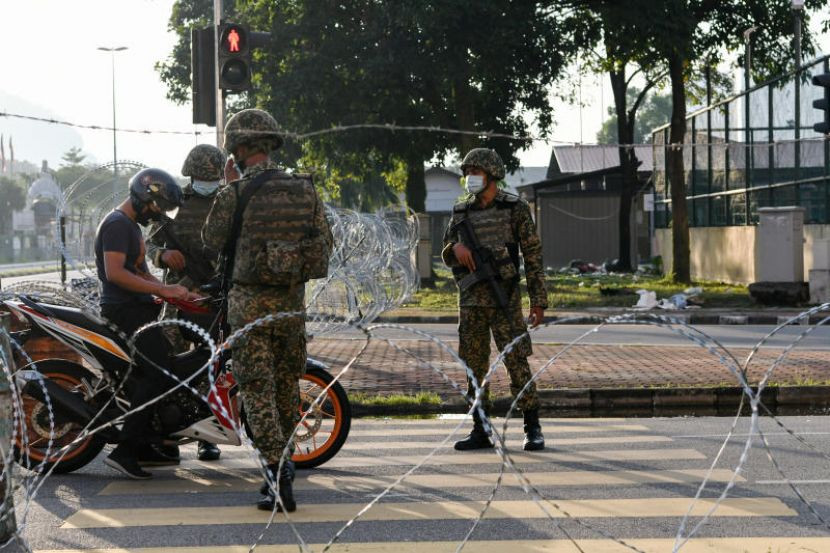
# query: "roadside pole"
[220,94]
[8,525]
[63,249]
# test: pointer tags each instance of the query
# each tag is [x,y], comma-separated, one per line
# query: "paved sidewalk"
[385,369]
[703,316]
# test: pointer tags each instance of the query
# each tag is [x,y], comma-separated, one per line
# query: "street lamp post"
[112,51]
[747,81]
[798,6]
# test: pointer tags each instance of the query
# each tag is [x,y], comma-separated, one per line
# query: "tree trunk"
[465,112]
[680,271]
[628,163]
[416,192]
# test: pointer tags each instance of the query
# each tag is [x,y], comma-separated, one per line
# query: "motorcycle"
[84,397]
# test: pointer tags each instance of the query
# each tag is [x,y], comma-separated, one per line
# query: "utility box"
[780,244]
[820,273]
[423,258]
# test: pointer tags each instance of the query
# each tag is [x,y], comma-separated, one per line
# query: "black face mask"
[144,215]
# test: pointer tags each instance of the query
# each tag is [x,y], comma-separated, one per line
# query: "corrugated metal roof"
[525,175]
[519,177]
[593,157]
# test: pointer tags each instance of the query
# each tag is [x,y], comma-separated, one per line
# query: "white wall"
[443,190]
[729,254]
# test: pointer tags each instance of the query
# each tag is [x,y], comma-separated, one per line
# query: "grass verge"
[29,271]
[567,291]
[395,400]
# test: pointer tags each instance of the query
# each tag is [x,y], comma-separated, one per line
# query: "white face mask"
[474,184]
[205,188]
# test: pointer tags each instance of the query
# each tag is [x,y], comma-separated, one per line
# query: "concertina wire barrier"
[372,270]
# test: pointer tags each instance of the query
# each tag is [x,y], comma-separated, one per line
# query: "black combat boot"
[286,486]
[208,451]
[478,438]
[534,441]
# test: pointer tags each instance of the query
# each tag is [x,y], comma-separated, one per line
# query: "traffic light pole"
[220,94]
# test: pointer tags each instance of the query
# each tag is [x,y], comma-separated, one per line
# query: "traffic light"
[203,75]
[823,104]
[234,58]
[236,43]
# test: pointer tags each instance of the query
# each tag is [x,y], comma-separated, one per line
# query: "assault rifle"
[196,267]
[486,266]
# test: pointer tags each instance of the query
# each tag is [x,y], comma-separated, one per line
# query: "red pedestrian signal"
[236,44]
[233,41]
[234,38]
[234,58]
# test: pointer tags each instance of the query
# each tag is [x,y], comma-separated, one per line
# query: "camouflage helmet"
[204,162]
[252,126]
[485,159]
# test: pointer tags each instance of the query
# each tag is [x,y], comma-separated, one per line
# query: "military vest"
[278,244]
[189,222]
[494,229]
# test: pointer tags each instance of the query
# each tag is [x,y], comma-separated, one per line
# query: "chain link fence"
[755,149]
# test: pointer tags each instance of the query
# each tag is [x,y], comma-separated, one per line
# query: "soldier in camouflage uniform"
[204,165]
[284,232]
[503,224]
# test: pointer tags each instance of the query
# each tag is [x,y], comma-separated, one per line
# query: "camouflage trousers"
[267,364]
[475,325]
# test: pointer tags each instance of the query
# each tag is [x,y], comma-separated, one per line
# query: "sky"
[52,68]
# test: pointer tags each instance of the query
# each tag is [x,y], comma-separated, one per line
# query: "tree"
[679,33]
[689,30]
[609,36]
[469,66]
[73,156]
[654,112]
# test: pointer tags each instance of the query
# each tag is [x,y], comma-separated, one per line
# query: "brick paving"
[410,368]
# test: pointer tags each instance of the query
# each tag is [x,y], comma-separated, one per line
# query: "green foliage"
[95,191]
[73,156]
[175,70]
[581,291]
[461,65]
[395,400]
[654,112]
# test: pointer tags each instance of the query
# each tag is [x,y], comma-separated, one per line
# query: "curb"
[695,319]
[636,402]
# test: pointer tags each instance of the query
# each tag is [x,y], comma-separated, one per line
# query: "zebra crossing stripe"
[550,430]
[655,545]
[481,457]
[246,481]
[438,510]
[513,441]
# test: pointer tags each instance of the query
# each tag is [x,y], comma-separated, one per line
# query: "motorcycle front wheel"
[47,442]
[326,426]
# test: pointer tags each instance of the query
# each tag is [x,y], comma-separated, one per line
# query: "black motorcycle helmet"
[154,186]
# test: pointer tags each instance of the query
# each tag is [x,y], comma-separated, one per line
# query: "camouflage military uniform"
[505,227]
[269,361]
[203,162]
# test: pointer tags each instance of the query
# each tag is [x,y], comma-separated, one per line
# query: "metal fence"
[755,149]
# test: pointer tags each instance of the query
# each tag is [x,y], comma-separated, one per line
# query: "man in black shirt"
[127,290]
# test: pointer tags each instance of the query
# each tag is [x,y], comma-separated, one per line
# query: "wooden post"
[8,525]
